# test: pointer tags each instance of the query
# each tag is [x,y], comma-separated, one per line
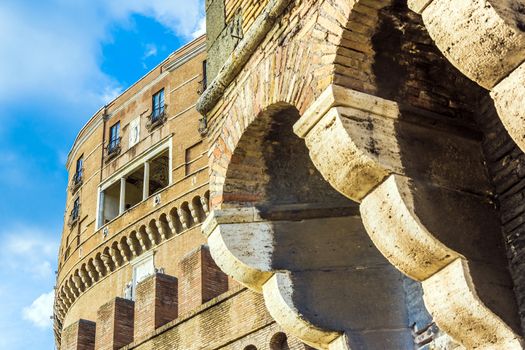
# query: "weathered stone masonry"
[390,124]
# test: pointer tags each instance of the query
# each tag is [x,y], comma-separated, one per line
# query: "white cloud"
[51,49]
[151,50]
[29,250]
[40,310]
[201,28]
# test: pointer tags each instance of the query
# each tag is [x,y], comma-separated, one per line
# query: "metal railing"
[76,181]
[74,215]
[156,118]
[113,148]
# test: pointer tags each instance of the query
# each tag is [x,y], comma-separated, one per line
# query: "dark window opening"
[134,188]
[76,181]
[159,173]
[158,105]
[75,212]
[113,147]
[158,113]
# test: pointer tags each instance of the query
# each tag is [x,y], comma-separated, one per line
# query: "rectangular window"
[158,106]
[79,169]
[75,212]
[114,138]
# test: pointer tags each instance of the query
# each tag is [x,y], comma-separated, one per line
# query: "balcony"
[113,149]
[76,181]
[156,118]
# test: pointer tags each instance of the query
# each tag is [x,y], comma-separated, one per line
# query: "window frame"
[114,137]
[79,171]
[158,105]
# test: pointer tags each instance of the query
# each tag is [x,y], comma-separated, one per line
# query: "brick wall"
[79,336]
[114,324]
[232,317]
[201,279]
[156,304]
[506,166]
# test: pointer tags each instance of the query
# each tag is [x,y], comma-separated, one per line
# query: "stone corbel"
[183,218]
[249,244]
[233,236]
[422,193]
[162,230]
[151,235]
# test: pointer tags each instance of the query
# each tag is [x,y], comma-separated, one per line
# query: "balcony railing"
[113,148]
[156,118]
[76,181]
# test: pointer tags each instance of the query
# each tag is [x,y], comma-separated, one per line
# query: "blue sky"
[60,60]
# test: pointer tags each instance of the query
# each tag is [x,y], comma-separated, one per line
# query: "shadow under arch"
[284,231]
[405,145]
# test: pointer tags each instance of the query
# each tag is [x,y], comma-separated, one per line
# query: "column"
[122,207]
[145,189]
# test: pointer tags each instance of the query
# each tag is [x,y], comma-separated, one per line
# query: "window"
[135,183]
[76,181]
[75,212]
[114,139]
[79,169]
[158,106]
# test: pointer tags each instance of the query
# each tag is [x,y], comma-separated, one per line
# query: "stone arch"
[250,347]
[364,132]
[418,172]
[185,216]
[279,341]
[284,231]
[174,221]
[486,41]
